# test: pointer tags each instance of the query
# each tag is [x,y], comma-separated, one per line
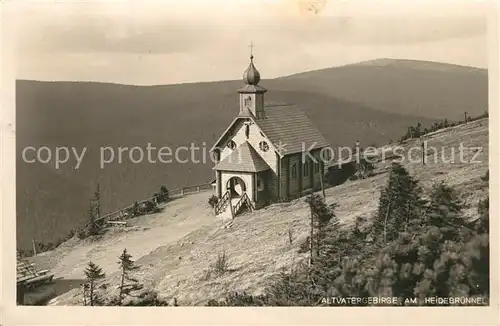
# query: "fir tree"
[418,130]
[127,265]
[400,204]
[94,211]
[321,215]
[94,273]
[97,202]
[444,211]
[92,228]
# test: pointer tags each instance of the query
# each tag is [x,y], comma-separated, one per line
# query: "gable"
[237,132]
[286,128]
[235,125]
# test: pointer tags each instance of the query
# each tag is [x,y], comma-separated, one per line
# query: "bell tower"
[251,94]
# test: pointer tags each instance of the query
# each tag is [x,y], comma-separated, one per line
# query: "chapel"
[262,156]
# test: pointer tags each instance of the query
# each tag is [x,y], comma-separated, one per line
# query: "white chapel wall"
[255,137]
[246,177]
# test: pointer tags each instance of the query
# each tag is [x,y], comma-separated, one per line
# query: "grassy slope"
[176,246]
[426,89]
[372,102]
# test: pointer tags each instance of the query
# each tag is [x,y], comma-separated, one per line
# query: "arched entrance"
[236,186]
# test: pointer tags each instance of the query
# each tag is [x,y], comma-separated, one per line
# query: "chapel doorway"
[236,187]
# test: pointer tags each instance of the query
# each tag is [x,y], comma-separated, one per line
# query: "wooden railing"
[222,203]
[243,200]
[174,193]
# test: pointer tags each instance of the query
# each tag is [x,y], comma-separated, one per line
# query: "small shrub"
[71,234]
[25,252]
[164,190]
[212,201]
[147,207]
[207,274]
[214,303]
[364,169]
[145,298]
[338,175]
[237,299]
[163,195]
[82,233]
[134,210]
[305,246]
[290,235]
[221,265]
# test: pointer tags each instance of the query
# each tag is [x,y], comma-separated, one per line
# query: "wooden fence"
[174,193]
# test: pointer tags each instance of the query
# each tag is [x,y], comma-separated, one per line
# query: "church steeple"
[251,94]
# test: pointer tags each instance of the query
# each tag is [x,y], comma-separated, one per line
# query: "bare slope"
[423,88]
[371,103]
[177,246]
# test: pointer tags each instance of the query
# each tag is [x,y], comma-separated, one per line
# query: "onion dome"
[251,75]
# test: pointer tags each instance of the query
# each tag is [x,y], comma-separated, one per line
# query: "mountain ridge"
[375,62]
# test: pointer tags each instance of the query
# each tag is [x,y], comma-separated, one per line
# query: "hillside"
[363,102]
[175,247]
[420,88]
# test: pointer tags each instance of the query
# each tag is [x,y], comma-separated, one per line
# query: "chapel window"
[263,146]
[231,144]
[294,171]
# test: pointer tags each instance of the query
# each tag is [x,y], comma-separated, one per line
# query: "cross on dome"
[251,75]
[251,50]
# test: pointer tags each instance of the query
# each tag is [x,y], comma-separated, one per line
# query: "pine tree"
[418,130]
[97,202]
[85,289]
[400,204]
[164,193]
[94,273]
[321,215]
[127,265]
[482,224]
[444,211]
[92,228]
[94,211]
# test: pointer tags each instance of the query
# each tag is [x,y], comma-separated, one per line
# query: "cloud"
[149,29]
[404,30]
[143,42]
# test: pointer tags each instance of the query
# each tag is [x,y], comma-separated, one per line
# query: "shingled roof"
[244,159]
[290,130]
[286,126]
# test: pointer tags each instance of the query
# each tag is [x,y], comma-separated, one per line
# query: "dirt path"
[180,217]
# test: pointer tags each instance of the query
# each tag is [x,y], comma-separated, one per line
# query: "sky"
[166,42]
